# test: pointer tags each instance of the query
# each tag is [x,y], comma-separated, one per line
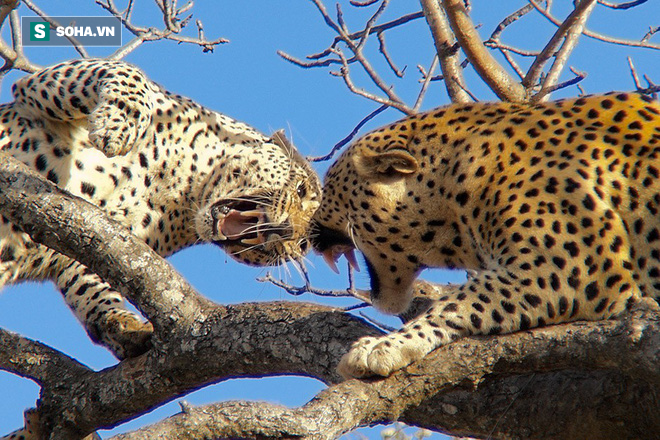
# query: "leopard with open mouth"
[170,170]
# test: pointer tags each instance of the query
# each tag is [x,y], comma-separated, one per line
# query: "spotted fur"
[556,205]
[171,171]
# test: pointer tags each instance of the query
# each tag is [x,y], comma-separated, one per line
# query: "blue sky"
[248,81]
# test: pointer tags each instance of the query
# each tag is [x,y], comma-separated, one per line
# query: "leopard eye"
[302,190]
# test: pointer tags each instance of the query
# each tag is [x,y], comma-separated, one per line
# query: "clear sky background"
[247,80]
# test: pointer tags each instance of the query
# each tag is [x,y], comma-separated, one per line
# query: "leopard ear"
[390,163]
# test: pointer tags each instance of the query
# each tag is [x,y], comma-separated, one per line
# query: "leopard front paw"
[125,335]
[378,357]
[114,128]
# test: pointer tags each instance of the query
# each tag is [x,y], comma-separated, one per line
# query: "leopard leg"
[113,97]
[102,310]
[95,303]
[494,302]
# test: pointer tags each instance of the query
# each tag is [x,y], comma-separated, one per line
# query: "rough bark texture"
[577,381]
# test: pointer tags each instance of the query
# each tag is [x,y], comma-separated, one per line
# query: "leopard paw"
[125,335]
[379,356]
[115,128]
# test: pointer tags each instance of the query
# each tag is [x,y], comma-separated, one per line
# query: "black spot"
[87,188]
[41,162]
[559,262]
[462,198]
[572,248]
[532,300]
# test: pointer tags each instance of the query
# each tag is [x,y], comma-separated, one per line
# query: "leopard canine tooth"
[329,257]
[350,256]
[252,241]
[255,213]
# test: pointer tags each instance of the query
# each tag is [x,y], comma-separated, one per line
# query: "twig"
[595,35]
[579,76]
[392,100]
[627,5]
[13,56]
[355,43]
[425,84]
[382,47]
[516,68]
[495,36]
[363,3]
[650,33]
[338,146]
[174,24]
[380,325]
[633,72]
[74,42]
[505,47]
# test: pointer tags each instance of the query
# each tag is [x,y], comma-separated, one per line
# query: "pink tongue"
[234,225]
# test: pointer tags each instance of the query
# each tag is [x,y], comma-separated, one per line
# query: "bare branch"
[13,56]
[579,76]
[447,50]
[626,5]
[498,79]
[362,3]
[652,31]
[569,32]
[633,72]
[425,84]
[383,50]
[510,19]
[462,386]
[350,136]
[595,35]
[174,24]
[392,99]
[54,23]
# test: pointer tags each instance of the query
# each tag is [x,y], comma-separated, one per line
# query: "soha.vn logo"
[41,31]
[63,31]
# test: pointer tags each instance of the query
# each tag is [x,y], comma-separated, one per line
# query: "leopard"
[553,207]
[171,171]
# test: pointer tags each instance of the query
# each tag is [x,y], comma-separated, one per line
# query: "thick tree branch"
[566,36]
[498,79]
[34,360]
[44,211]
[445,46]
[482,388]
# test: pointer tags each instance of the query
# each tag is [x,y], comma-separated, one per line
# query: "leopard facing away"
[555,205]
[171,171]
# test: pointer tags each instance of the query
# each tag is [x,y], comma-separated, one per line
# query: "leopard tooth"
[329,258]
[350,257]
[252,241]
[255,213]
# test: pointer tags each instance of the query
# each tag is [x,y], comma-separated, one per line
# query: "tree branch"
[34,360]
[43,211]
[568,33]
[482,388]
[445,47]
[497,78]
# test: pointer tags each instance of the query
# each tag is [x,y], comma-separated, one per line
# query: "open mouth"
[239,221]
[332,245]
